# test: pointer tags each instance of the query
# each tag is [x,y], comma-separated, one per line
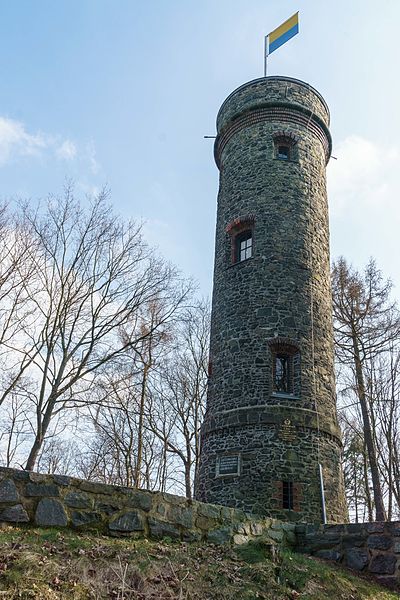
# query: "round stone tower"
[271,427]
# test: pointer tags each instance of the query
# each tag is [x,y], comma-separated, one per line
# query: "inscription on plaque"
[287,431]
[228,465]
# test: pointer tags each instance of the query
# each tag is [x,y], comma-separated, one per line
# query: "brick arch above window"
[240,223]
[283,344]
[285,145]
[241,238]
[287,135]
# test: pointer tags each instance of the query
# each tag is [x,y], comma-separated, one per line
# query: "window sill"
[285,395]
[241,262]
[286,160]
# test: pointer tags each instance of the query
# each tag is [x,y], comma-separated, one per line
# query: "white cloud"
[364,192]
[364,176]
[91,156]
[15,140]
[67,150]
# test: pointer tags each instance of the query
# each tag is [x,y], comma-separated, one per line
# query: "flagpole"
[265,56]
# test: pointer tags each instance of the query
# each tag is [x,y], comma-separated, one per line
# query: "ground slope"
[51,565]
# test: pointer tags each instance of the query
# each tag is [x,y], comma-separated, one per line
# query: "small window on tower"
[283,152]
[243,245]
[287,494]
[283,368]
[285,147]
[285,364]
[240,239]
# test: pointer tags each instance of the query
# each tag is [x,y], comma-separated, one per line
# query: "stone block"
[139,499]
[220,536]
[62,480]
[227,513]
[42,489]
[243,528]
[329,555]
[357,558]
[8,491]
[276,535]
[334,530]
[209,510]
[129,521]
[160,529]
[239,539]
[180,516]
[38,477]
[191,536]
[105,507]
[356,528]
[348,541]
[161,509]
[50,513]
[323,542]
[80,518]
[21,475]
[14,514]
[78,500]
[173,499]
[396,546]
[96,488]
[388,581]
[205,523]
[376,527]
[394,528]
[379,542]
[256,529]
[383,564]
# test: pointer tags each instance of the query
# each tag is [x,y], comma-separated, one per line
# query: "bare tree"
[16,311]
[176,407]
[93,274]
[366,322]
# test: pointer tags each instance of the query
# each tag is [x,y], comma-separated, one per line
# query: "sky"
[121,93]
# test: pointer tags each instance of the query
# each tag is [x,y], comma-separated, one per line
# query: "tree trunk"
[380,514]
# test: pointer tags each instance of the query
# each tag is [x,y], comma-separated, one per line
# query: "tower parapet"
[271,413]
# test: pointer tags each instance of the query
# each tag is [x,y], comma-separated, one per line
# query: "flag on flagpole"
[282,34]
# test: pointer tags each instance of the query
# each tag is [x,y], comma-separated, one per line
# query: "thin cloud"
[364,176]
[67,150]
[15,140]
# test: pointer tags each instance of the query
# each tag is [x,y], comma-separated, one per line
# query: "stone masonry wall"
[28,498]
[367,547]
[281,294]
[61,501]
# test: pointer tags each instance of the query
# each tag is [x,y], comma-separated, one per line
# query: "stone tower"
[271,413]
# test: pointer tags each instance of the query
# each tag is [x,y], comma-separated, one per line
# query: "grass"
[57,565]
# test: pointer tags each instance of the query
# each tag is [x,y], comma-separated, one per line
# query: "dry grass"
[58,565]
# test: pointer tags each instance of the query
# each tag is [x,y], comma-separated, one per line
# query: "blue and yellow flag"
[282,34]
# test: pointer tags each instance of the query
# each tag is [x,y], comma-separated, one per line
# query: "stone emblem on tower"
[271,444]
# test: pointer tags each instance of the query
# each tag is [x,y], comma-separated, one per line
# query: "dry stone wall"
[367,547]
[61,501]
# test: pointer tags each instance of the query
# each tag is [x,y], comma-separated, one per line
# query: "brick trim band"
[274,113]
